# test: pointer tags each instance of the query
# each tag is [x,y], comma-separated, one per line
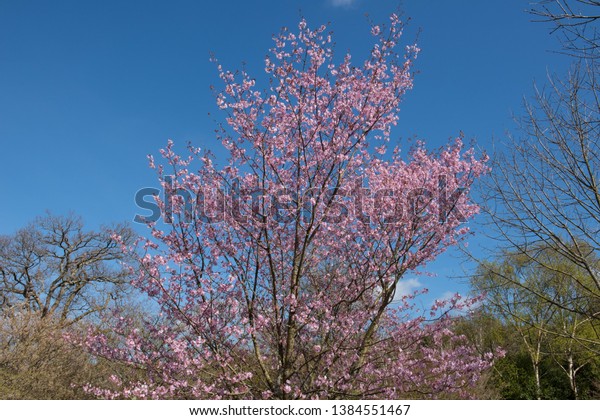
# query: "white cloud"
[406,287]
[342,3]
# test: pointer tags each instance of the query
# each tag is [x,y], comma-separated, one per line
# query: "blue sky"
[88,89]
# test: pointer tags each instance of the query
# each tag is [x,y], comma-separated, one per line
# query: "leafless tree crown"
[56,268]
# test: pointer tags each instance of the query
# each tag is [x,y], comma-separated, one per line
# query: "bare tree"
[574,21]
[55,277]
[543,197]
[55,268]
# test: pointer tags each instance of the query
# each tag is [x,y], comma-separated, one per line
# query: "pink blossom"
[303,306]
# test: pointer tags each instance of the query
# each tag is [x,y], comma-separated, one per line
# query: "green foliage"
[538,310]
[513,377]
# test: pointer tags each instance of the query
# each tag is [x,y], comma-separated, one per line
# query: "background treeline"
[57,280]
[543,316]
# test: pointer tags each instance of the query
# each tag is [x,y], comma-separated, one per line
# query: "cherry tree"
[278,272]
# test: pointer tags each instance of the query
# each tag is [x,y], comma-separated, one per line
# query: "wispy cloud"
[406,287]
[342,3]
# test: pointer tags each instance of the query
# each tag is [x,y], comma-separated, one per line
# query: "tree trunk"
[572,378]
[538,385]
